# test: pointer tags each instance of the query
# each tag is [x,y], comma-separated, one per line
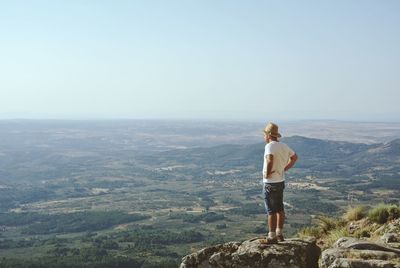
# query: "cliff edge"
[296,253]
[362,238]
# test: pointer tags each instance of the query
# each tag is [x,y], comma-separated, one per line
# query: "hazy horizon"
[199,119]
[225,60]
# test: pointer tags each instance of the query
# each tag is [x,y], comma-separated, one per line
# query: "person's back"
[282,154]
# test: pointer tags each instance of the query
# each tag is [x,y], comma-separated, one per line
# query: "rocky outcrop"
[391,234]
[292,253]
[377,247]
[351,252]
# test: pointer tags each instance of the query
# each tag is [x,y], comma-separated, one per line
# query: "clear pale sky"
[208,59]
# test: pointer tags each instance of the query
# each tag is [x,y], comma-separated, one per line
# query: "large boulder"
[292,253]
[351,252]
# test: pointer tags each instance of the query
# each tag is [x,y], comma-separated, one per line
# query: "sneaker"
[280,238]
[268,241]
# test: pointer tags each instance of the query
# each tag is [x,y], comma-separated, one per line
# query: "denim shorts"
[273,197]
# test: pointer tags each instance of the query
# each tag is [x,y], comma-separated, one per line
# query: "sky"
[205,59]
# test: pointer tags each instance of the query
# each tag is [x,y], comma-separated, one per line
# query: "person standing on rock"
[278,158]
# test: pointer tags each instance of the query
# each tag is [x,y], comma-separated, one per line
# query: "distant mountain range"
[324,158]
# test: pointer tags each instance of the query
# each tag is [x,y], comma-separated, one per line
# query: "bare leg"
[271,238]
[280,219]
[272,222]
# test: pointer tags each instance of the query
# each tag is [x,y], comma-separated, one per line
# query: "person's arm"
[270,163]
[291,163]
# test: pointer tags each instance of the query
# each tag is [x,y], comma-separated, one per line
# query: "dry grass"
[383,213]
[356,213]
[310,231]
[326,224]
[328,230]
[334,235]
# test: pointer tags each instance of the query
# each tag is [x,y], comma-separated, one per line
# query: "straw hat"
[272,130]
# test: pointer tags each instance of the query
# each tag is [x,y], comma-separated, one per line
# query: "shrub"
[326,223]
[355,213]
[394,212]
[383,213]
[310,231]
[334,235]
[324,226]
[365,232]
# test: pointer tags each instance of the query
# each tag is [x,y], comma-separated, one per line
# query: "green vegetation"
[67,223]
[328,229]
[355,213]
[142,246]
[17,219]
[313,204]
[196,197]
[88,257]
[327,224]
[383,212]
[82,221]
[313,231]
[197,218]
[146,238]
[229,200]
[335,234]
[325,227]
[249,209]
[10,199]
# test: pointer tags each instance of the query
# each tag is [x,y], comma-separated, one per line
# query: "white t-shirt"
[282,154]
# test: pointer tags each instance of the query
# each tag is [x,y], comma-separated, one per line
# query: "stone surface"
[390,238]
[350,252]
[357,225]
[292,253]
